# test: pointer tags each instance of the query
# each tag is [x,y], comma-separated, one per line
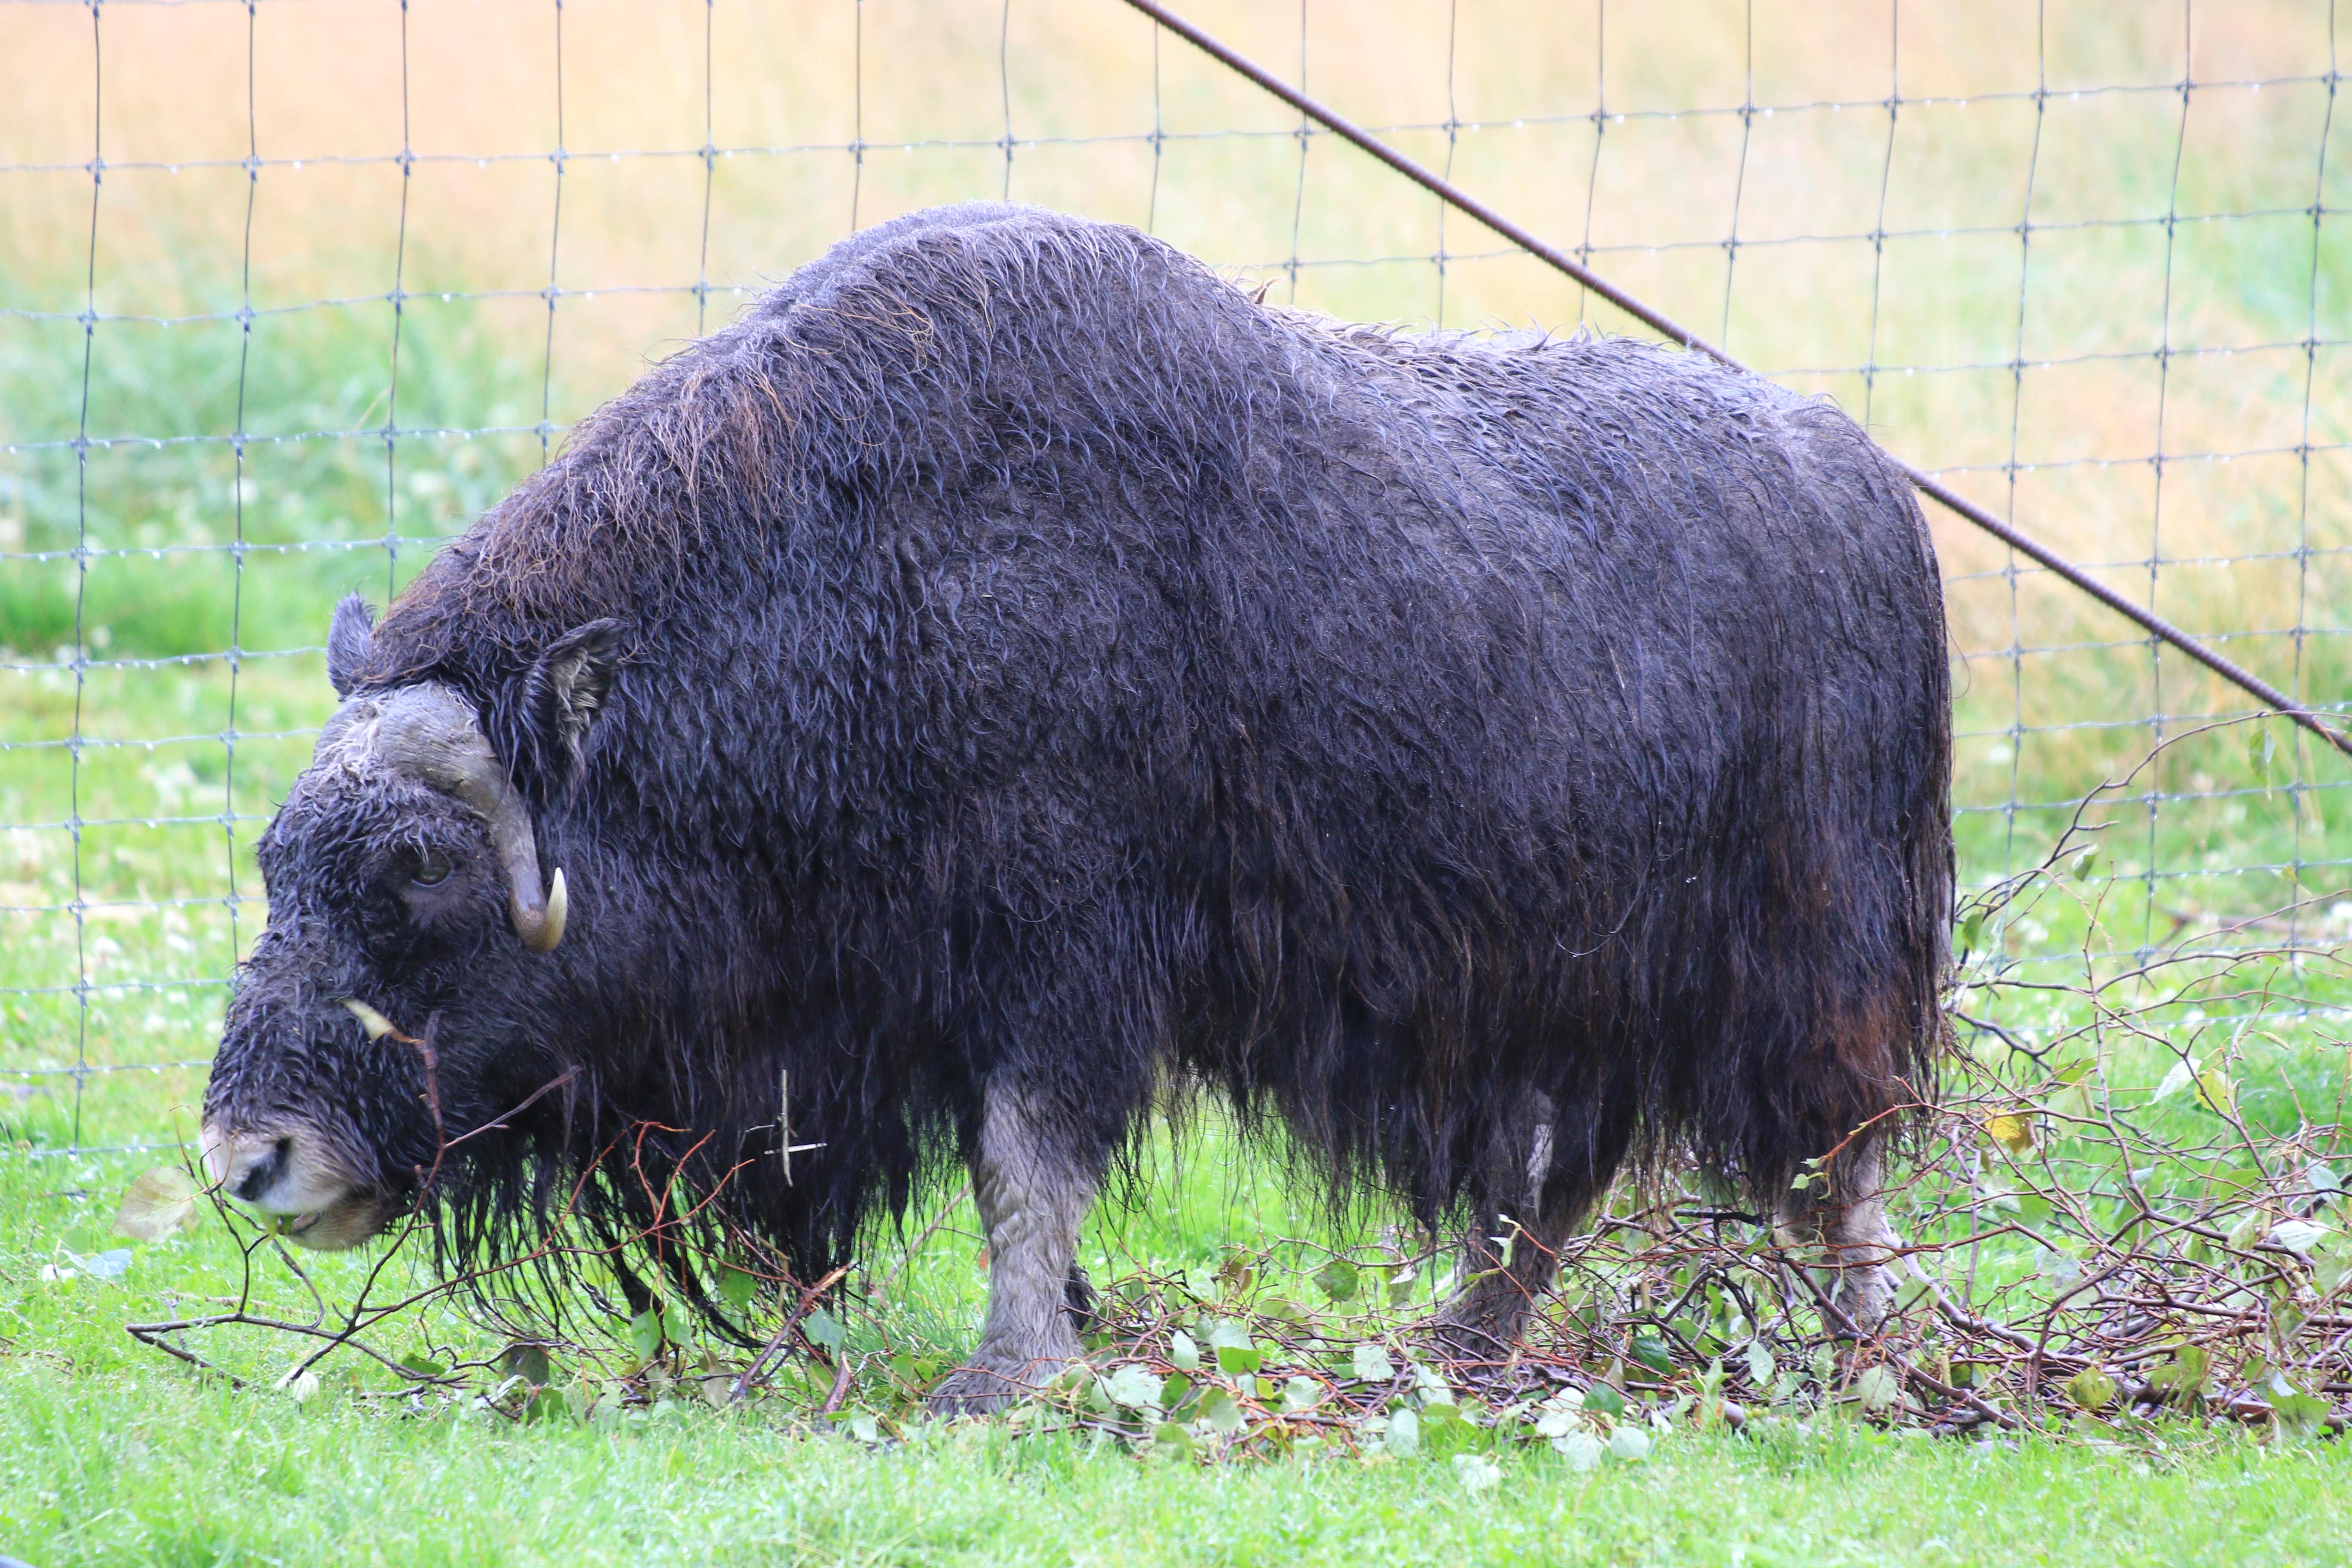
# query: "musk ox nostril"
[255,1168]
[247,1165]
[265,1170]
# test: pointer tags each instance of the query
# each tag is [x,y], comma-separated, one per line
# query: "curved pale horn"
[429,731]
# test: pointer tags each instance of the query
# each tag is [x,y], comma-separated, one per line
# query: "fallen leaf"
[1581,1449]
[160,1204]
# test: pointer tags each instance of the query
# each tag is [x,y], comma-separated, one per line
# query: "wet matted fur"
[1043,674]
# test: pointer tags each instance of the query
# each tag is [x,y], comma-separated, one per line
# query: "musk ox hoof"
[987,1383]
[1863,1296]
[1479,1332]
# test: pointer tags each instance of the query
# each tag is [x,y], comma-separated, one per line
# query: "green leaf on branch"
[645,1333]
[1339,1279]
[737,1287]
[2012,1129]
[2090,1390]
[1651,1351]
[527,1362]
[2297,1413]
[1225,1331]
[2216,1093]
[2323,1181]
[1876,1389]
[1134,1387]
[2184,1374]
[1239,1361]
[2298,1235]
[678,1324]
[1371,1364]
[823,1329]
[1183,1352]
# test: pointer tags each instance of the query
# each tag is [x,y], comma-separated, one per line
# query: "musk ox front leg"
[1850,1226]
[1032,1193]
[1511,1256]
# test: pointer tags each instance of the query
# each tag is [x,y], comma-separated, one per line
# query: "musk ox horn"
[430,732]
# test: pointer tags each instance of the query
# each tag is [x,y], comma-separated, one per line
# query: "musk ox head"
[385,1009]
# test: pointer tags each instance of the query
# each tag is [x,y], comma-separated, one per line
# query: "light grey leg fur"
[1483,1320]
[1851,1229]
[1029,1204]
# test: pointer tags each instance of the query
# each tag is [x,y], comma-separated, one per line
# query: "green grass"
[109,1453]
[99,1469]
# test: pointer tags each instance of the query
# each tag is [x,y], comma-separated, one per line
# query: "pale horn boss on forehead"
[430,733]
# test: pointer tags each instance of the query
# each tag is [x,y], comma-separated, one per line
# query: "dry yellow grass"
[1944,305]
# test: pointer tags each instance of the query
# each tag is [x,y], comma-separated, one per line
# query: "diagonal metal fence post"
[1935,490]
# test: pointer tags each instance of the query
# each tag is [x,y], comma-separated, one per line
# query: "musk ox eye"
[431,872]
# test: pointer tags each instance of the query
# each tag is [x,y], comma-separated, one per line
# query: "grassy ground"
[109,1454]
[106,1470]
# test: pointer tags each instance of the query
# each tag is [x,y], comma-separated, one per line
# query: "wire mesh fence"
[292,288]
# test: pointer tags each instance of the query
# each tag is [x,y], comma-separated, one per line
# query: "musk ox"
[1011,671]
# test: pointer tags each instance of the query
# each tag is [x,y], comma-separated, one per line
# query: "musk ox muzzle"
[305,1109]
[290,1173]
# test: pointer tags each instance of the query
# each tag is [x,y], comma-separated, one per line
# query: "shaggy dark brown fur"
[1044,673]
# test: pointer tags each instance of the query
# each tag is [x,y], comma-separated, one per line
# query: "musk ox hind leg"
[1031,1193]
[1850,1227]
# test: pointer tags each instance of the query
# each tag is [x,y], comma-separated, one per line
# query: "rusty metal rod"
[1927,485]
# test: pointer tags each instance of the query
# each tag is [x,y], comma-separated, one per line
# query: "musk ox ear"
[567,685]
[349,637]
